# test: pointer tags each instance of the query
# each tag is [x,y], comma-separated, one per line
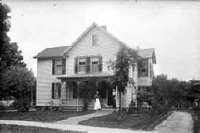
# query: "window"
[95,64]
[151,70]
[88,64]
[56,90]
[58,66]
[94,40]
[82,64]
[143,68]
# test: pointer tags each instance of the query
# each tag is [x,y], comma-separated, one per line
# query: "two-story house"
[63,72]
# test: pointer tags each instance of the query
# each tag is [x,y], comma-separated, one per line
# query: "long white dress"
[97,104]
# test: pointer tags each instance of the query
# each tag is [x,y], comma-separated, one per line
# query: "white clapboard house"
[63,71]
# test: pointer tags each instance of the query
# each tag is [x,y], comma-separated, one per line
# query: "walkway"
[77,119]
[178,122]
[80,128]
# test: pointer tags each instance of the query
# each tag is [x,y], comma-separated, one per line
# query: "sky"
[172,28]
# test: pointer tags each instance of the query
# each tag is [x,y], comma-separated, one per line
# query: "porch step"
[75,108]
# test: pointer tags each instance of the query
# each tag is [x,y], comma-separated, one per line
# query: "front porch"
[74,89]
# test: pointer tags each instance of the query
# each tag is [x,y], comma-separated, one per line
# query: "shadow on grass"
[42,116]
[28,129]
[145,121]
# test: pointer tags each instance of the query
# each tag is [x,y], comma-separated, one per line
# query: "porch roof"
[85,76]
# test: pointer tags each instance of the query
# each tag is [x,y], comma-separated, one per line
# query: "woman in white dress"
[97,104]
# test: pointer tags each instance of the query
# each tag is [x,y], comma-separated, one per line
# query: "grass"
[28,129]
[128,121]
[42,116]
[196,118]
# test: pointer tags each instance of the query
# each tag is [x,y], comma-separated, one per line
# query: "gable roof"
[101,29]
[52,52]
[147,53]
[61,51]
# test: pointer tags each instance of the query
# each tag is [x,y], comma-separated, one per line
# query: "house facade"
[65,72]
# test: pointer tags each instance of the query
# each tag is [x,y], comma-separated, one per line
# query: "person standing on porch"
[97,104]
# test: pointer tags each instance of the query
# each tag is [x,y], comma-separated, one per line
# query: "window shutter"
[139,66]
[88,65]
[64,66]
[53,66]
[100,64]
[59,90]
[52,96]
[76,65]
[146,67]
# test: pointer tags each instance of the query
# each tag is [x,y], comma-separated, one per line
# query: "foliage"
[85,94]
[125,59]
[10,56]
[194,92]
[166,93]
[19,83]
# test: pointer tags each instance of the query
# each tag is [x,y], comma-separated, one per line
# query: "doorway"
[106,93]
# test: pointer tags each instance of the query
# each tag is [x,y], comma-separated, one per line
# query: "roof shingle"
[52,52]
[147,53]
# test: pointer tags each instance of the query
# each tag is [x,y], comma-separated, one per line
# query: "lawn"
[128,121]
[28,129]
[196,117]
[42,116]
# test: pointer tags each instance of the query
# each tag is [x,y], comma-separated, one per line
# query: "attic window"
[94,40]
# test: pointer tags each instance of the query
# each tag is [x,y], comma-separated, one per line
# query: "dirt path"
[178,122]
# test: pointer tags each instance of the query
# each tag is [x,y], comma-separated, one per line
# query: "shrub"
[22,104]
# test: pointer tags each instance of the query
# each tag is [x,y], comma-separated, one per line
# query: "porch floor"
[77,119]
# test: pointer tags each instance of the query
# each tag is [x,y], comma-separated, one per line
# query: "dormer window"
[94,40]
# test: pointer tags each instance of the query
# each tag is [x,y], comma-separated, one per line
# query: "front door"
[105,92]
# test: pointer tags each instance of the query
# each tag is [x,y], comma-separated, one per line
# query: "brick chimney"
[104,27]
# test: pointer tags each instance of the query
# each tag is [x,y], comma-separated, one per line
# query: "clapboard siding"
[146,81]
[107,48]
[44,82]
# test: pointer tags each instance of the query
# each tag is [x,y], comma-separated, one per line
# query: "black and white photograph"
[99,66]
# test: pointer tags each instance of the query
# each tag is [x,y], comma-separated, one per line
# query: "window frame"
[143,68]
[56,66]
[88,64]
[94,39]
[56,88]
[96,65]
[78,65]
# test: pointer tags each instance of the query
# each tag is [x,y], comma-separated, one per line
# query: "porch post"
[77,99]
[63,86]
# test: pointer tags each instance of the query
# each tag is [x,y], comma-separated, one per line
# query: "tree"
[125,59]
[169,92]
[19,83]
[10,56]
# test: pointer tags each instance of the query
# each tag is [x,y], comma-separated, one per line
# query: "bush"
[22,105]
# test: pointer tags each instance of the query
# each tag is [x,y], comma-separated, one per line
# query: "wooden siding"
[44,82]
[107,48]
[146,81]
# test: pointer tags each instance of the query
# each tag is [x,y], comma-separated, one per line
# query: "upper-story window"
[88,64]
[143,68]
[151,70]
[82,64]
[58,66]
[94,40]
[95,64]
